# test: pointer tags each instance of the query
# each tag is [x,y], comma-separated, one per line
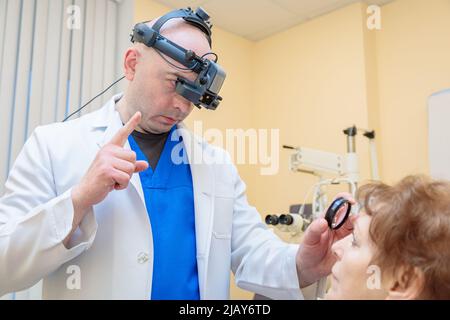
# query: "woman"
[400,245]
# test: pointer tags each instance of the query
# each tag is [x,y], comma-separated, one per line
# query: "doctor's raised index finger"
[122,135]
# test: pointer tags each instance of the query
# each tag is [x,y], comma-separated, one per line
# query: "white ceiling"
[258,19]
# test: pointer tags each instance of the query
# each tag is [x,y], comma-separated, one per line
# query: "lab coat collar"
[202,180]
[104,117]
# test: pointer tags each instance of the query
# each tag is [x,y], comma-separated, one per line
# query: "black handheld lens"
[338,213]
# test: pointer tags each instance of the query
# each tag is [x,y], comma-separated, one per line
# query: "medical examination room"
[224,150]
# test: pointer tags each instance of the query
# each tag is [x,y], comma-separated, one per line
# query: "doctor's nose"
[182,104]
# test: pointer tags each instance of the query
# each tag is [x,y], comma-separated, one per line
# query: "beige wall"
[413,57]
[316,79]
[310,82]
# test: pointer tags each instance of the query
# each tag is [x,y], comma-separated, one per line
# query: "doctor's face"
[155,79]
[353,276]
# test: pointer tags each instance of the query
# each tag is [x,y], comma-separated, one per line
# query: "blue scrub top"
[169,198]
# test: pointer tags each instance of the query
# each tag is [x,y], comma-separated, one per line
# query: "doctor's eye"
[172,83]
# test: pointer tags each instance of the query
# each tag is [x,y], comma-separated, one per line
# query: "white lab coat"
[110,256]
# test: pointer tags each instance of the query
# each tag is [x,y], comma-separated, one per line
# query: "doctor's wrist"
[79,207]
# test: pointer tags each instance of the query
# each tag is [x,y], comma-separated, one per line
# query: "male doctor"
[99,209]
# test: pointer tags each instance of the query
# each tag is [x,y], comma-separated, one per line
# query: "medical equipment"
[287,222]
[204,91]
[343,167]
[338,213]
[345,170]
[272,219]
[292,222]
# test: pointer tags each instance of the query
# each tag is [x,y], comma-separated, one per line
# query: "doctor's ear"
[132,56]
[408,283]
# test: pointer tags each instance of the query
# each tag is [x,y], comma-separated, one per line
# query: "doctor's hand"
[111,170]
[314,257]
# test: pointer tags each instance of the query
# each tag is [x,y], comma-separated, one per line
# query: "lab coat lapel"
[203,185]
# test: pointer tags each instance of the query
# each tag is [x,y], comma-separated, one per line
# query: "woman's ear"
[130,61]
[408,283]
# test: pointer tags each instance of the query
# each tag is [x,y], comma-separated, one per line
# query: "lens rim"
[334,209]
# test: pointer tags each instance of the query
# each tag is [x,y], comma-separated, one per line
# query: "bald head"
[183,34]
[176,24]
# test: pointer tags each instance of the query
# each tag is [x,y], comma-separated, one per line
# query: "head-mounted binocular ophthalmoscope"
[204,91]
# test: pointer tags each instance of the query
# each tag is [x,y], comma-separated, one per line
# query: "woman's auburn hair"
[410,228]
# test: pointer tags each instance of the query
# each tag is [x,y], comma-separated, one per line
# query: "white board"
[439,134]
